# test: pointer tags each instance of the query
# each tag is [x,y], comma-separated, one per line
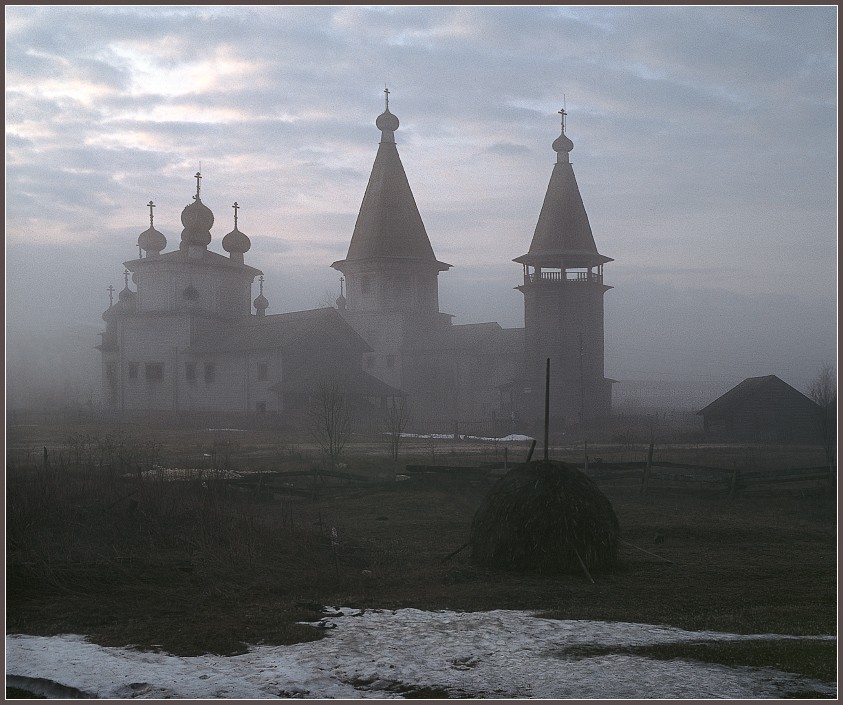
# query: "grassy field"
[97,546]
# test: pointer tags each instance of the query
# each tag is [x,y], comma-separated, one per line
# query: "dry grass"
[132,559]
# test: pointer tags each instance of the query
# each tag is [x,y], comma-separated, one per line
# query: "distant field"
[212,562]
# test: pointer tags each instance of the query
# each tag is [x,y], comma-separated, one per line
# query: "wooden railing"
[574,277]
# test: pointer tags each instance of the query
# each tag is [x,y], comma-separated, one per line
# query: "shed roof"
[356,382]
[298,330]
[482,338]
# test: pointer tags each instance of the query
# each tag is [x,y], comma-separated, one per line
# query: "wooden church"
[190,341]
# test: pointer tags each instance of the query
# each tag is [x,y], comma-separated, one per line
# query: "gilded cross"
[235,207]
[110,291]
[126,277]
[342,281]
[198,177]
[261,283]
[151,206]
[563,114]
[386,94]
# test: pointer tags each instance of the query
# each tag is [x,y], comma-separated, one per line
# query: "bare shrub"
[395,423]
[329,418]
[823,390]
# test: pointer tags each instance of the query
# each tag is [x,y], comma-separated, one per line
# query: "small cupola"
[261,302]
[235,242]
[126,298]
[150,240]
[341,300]
[110,312]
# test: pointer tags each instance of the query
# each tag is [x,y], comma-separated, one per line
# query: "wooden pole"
[532,448]
[650,553]
[733,483]
[546,407]
[645,481]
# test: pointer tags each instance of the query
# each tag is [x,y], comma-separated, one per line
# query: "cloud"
[508,149]
[705,143]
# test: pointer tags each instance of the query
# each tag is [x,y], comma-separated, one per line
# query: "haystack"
[545,517]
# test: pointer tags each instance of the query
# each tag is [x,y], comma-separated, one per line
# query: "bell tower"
[563,303]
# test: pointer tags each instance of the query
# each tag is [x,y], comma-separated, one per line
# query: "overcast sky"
[705,151]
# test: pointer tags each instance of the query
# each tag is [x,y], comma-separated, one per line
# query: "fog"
[705,152]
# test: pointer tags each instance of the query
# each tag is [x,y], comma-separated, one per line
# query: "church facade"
[189,338]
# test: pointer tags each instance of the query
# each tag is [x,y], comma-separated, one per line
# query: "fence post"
[733,483]
[46,459]
[585,450]
[645,480]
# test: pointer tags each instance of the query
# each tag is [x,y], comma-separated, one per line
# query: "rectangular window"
[263,371]
[154,371]
[190,371]
[133,370]
[210,372]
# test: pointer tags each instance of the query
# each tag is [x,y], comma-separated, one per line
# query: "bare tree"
[395,423]
[823,390]
[330,419]
[328,299]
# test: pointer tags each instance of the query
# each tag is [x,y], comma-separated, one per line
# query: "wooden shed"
[764,409]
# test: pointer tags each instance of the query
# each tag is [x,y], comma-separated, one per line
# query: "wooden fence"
[647,474]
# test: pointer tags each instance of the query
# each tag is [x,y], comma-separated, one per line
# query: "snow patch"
[407,652]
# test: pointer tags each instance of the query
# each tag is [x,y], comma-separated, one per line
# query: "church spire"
[390,264]
[563,237]
[389,223]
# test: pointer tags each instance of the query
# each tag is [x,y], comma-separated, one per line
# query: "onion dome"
[386,122]
[236,242]
[126,297]
[261,302]
[126,292]
[109,312]
[197,219]
[562,145]
[150,240]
